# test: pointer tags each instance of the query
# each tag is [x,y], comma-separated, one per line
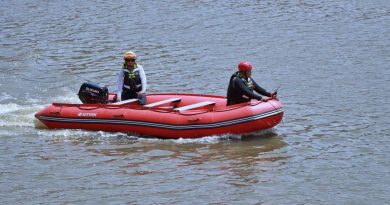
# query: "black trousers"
[128,94]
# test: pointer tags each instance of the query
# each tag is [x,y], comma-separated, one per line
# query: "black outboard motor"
[91,93]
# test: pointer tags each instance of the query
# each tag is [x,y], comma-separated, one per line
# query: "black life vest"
[132,79]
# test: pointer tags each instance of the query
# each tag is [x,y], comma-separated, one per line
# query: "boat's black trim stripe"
[161,125]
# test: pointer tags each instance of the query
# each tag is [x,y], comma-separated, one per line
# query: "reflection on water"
[246,152]
[262,142]
[238,161]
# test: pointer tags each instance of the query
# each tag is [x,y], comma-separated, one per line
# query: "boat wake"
[17,118]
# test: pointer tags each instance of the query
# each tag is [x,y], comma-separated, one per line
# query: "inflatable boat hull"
[179,117]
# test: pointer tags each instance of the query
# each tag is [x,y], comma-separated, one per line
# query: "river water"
[331,60]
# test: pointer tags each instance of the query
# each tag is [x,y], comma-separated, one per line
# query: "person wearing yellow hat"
[131,78]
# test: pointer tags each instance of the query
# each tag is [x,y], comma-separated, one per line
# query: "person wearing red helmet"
[131,79]
[241,86]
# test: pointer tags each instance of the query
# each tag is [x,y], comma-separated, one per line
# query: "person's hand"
[259,98]
[118,98]
[274,94]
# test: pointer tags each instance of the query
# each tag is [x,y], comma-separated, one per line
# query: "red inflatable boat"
[166,115]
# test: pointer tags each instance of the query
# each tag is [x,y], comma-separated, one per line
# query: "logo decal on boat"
[86,114]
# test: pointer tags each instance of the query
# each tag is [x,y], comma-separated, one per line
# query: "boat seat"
[196,105]
[163,102]
[125,101]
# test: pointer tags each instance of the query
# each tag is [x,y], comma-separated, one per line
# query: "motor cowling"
[91,93]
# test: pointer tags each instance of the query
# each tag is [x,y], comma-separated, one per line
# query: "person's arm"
[245,90]
[120,84]
[143,80]
[261,90]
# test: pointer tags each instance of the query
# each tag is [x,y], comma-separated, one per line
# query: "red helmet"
[244,66]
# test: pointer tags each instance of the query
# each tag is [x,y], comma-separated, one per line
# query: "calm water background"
[331,59]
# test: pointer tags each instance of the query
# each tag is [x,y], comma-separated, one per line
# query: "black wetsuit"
[240,90]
